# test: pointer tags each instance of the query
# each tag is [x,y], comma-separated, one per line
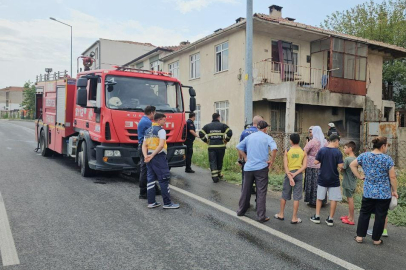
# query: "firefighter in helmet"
[216,135]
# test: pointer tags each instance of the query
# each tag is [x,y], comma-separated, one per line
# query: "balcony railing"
[267,71]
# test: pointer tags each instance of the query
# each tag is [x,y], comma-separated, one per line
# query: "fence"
[267,71]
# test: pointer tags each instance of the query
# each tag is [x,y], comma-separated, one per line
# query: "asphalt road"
[60,220]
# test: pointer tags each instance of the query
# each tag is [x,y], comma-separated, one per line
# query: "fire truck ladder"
[152,72]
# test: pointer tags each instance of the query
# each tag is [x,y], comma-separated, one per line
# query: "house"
[152,59]
[108,53]
[303,75]
[11,98]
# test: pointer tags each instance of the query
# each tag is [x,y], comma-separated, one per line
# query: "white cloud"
[27,47]
[186,6]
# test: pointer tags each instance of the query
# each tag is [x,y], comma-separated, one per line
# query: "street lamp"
[71,74]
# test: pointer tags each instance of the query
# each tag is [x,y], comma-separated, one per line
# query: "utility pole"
[248,63]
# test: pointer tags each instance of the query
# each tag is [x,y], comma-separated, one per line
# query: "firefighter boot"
[215,176]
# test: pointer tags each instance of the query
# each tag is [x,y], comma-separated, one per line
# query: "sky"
[31,42]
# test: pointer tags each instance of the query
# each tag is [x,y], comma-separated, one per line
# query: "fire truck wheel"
[45,152]
[85,170]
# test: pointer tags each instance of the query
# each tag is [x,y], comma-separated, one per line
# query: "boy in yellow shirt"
[295,162]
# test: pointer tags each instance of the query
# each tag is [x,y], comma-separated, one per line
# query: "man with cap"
[255,151]
[248,131]
[332,130]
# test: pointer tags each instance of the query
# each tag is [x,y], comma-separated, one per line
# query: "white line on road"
[274,232]
[8,249]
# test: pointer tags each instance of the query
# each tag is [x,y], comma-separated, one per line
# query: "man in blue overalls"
[154,149]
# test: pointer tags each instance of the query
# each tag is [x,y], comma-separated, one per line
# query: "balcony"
[267,71]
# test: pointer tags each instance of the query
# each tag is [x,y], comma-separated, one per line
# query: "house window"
[349,60]
[195,66]
[222,57]
[140,65]
[198,117]
[221,108]
[155,65]
[174,69]
[278,114]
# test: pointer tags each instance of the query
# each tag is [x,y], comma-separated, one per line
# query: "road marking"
[8,249]
[274,232]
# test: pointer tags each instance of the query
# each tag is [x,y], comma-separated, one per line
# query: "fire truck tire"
[45,152]
[85,170]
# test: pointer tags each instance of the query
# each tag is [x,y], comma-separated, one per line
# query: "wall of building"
[15,100]
[374,78]
[119,53]
[213,87]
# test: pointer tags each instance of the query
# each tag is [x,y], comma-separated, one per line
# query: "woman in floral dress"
[312,171]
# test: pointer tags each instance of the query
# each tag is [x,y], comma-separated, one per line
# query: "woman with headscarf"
[312,171]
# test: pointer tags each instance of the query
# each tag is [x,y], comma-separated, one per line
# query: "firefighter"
[332,130]
[216,135]
[191,135]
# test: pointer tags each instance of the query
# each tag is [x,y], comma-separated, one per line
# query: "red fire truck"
[94,118]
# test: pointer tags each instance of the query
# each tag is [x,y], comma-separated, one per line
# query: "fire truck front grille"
[132,134]
[132,131]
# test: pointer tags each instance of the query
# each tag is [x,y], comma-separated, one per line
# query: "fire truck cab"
[94,118]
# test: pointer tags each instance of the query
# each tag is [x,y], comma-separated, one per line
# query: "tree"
[384,22]
[29,98]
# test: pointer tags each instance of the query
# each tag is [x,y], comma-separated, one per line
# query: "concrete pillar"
[290,111]
[290,108]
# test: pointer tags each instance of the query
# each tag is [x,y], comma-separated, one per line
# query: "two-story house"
[108,53]
[303,75]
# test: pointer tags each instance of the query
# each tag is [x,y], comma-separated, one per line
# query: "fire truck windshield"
[134,94]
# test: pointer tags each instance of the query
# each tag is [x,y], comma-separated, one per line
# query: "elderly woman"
[310,134]
[312,170]
[379,186]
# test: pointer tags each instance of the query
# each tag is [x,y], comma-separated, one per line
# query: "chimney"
[184,43]
[275,12]
[239,20]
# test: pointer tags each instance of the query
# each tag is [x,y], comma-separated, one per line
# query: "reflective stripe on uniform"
[225,134]
[215,134]
[215,146]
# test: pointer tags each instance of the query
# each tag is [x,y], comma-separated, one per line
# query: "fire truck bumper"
[114,158]
[176,155]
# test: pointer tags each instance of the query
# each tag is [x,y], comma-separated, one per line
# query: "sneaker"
[189,171]
[154,205]
[329,222]
[384,234]
[171,206]
[315,219]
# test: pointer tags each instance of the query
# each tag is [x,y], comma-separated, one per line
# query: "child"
[154,150]
[349,182]
[328,180]
[295,162]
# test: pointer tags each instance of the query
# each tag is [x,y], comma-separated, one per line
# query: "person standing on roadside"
[380,186]
[190,138]
[312,171]
[255,151]
[143,125]
[154,149]
[332,130]
[216,135]
[248,131]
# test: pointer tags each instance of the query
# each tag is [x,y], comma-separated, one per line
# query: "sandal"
[344,217]
[296,222]
[358,241]
[277,217]
[346,221]
[380,243]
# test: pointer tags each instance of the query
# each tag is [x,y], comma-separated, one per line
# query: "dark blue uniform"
[190,125]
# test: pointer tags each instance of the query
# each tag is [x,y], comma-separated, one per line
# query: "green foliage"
[29,98]
[384,22]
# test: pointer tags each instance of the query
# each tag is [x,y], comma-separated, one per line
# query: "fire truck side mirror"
[192,92]
[81,82]
[81,97]
[192,104]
